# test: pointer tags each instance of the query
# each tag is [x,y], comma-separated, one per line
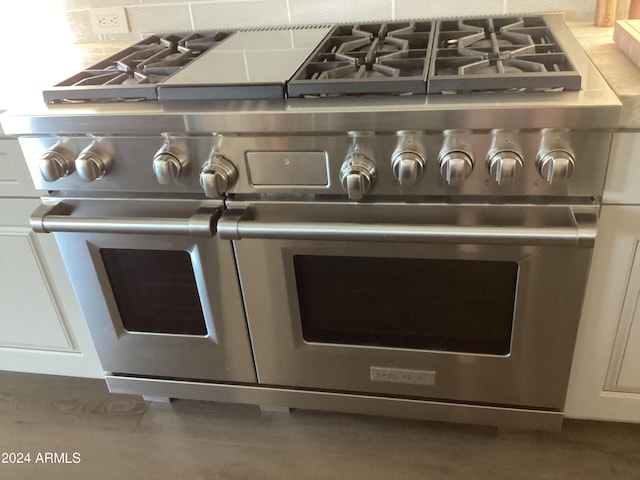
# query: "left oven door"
[157,287]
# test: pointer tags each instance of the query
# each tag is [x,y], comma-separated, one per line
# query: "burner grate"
[372,58]
[136,70]
[498,54]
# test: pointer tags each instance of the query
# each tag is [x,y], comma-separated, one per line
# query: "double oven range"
[390,218]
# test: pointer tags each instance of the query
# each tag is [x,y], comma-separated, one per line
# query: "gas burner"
[137,69]
[367,59]
[499,54]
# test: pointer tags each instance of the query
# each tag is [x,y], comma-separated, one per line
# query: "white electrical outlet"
[109,20]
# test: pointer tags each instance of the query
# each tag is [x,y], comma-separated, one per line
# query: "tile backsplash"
[149,16]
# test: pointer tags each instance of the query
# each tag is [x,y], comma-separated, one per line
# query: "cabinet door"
[15,180]
[624,370]
[623,173]
[605,378]
[41,326]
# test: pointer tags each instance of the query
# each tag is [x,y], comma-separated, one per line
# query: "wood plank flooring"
[124,437]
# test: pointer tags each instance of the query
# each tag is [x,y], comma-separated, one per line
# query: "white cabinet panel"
[624,371]
[15,180]
[8,174]
[41,326]
[605,367]
[27,304]
[623,174]
[605,377]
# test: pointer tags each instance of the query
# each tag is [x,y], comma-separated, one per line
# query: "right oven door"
[452,303]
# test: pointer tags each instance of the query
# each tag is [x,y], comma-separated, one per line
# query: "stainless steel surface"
[94,162]
[222,354]
[504,417]
[55,163]
[550,287]
[201,224]
[262,56]
[575,110]
[590,148]
[217,175]
[288,169]
[426,224]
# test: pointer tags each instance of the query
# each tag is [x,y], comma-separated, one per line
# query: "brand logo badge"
[399,375]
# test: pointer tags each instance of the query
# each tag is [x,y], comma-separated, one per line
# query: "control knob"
[407,161]
[217,175]
[504,158]
[556,160]
[407,168]
[504,165]
[56,163]
[358,175]
[168,163]
[456,164]
[455,167]
[94,162]
[557,165]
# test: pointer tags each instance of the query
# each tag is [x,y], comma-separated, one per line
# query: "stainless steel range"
[392,218]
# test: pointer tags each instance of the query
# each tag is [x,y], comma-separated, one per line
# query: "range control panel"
[354,165]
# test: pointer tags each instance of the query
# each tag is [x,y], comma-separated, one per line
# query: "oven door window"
[155,290]
[462,306]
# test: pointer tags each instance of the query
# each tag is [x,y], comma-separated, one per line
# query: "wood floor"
[123,437]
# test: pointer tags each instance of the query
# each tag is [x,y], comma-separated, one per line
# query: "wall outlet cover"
[109,20]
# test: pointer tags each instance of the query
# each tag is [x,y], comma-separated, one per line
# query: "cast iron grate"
[373,58]
[134,73]
[498,54]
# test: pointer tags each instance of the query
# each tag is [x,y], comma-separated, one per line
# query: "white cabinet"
[624,369]
[41,326]
[15,180]
[623,175]
[605,378]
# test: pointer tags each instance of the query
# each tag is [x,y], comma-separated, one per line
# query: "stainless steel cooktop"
[496,54]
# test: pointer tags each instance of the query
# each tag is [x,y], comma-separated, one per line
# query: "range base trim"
[501,417]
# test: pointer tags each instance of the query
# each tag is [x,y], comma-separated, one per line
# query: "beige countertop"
[621,73]
[56,62]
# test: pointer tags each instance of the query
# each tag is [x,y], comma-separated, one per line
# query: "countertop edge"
[622,75]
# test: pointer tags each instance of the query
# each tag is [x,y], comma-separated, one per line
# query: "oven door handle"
[57,218]
[234,225]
